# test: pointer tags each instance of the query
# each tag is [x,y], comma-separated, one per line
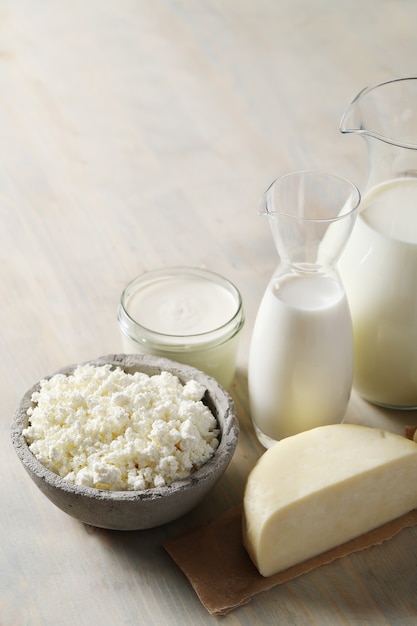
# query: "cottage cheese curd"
[108,429]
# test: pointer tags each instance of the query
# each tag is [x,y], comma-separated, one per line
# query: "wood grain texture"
[135,135]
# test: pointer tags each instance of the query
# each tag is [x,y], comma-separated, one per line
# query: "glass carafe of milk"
[301,355]
[379,265]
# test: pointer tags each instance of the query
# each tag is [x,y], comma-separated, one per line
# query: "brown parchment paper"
[217,565]
[410,431]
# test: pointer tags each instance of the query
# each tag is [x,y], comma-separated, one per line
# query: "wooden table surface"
[136,135]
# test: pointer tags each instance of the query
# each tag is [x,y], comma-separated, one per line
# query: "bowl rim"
[229,427]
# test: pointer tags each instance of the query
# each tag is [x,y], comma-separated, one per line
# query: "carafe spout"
[386,111]
[351,121]
[266,204]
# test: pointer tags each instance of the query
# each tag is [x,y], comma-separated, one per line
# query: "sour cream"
[186,314]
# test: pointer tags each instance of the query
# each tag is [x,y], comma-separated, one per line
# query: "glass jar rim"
[142,333]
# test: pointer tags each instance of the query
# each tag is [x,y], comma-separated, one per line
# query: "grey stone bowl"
[135,510]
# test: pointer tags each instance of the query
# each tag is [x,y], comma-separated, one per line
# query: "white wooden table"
[137,135]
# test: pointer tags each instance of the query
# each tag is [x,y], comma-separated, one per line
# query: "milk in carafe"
[300,372]
[379,271]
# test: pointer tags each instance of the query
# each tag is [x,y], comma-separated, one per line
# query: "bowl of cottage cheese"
[126,442]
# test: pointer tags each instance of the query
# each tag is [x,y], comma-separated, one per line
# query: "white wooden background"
[135,135]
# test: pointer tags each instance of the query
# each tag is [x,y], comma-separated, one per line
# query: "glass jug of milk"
[379,265]
[301,355]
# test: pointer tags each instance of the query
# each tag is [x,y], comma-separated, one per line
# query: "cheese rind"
[316,490]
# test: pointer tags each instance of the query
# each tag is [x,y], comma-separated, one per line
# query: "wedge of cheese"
[314,491]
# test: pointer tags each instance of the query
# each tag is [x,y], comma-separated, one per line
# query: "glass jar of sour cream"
[186,314]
